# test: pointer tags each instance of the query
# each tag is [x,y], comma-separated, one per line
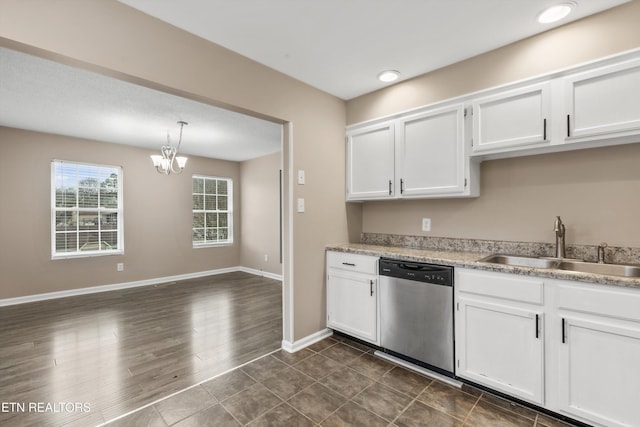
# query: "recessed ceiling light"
[555,13]
[389,76]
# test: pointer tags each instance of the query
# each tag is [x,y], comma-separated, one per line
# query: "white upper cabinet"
[603,102]
[515,118]
[431,159]
[415,155]
[370,162]
[434,151]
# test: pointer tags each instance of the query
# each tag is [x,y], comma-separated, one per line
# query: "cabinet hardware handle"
[390,183]
[371,287]
[349,264]
[568,125]
[537,329]
[544,130]
[401,185]
[563,331]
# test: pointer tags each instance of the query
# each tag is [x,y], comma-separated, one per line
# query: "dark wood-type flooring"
[117,351]
[333,383]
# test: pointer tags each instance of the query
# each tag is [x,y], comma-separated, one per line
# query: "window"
[86,210]
[212,211]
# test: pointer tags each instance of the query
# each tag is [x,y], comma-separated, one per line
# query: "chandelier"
[166,162]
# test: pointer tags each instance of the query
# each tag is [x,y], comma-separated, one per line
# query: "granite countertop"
[470,260]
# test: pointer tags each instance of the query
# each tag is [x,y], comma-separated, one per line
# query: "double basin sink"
[565,264]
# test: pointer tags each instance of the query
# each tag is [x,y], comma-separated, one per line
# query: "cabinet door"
[501,347]
[513,119]
[604,101]
[370,163]
[599,370]
[352,304]
[432,153]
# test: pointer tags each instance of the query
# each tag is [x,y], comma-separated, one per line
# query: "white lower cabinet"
[596,353]
[570,347]
[352,295]
[599,372]
[499,335]
[500,348]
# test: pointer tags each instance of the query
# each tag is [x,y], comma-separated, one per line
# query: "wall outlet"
[301,179]
[300,205]
[120,266]
[266,257]
[426,224]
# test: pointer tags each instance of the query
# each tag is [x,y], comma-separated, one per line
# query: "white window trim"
[119,210]
[230,240]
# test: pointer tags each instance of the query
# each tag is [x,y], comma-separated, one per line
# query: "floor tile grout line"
[510,411]
[230,414]
[286,402]
[439,410]
[412,401]
[217,402]
[336,410]
[153,408]
[472,408]
[281,401]
[404,410]
[185,389]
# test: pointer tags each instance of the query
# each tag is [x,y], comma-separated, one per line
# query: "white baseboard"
[126,285]
[261,273]
[292,347]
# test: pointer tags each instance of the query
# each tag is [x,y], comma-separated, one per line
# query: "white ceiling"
[340,46]
[46,96]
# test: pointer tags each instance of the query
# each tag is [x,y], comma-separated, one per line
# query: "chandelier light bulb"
[168,162]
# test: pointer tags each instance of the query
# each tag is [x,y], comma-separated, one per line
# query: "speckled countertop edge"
[470,260]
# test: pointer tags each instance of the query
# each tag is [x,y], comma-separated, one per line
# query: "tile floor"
[335,382]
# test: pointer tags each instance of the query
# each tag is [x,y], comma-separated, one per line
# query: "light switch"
[300,177]
[300,205]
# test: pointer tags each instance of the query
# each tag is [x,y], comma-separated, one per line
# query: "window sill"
[85,255]
[212,245]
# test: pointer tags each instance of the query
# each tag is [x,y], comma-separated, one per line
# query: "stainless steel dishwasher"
[416,312]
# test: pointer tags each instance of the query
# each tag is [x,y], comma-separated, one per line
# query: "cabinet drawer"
[352,262]
[599,299]
[499,285]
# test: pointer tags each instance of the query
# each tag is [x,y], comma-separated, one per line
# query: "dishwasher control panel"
[421,272]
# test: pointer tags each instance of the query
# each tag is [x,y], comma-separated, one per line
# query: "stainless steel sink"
[592,267]
[521,261]
[565,264]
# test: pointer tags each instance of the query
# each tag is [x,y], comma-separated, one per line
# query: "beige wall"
[606,33]
[157,216]
[115,39]
[595,191]
[260,219]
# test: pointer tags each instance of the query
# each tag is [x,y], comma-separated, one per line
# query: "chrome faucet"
[600,257]
[558,227]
